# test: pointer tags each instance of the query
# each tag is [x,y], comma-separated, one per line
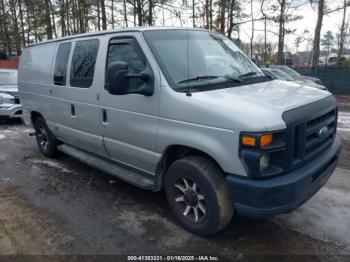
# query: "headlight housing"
[263,153]
[6,99]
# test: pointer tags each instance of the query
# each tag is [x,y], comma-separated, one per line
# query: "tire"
[206,191]
[46,141]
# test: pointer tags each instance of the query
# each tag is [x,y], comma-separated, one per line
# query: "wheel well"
[34,116]
[171,154]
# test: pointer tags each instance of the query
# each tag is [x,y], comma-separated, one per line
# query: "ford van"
[184,111]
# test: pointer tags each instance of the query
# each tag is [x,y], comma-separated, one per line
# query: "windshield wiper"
[197,78]
[248,74]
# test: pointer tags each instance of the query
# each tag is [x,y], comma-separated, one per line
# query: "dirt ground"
[63,207]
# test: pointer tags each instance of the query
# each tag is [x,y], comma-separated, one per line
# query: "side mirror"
[118,80]
[117,83]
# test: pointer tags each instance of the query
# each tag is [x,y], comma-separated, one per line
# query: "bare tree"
[317,36]
[252,35]
[104,17]
[343,29]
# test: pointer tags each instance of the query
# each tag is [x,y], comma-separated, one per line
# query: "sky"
[331,22]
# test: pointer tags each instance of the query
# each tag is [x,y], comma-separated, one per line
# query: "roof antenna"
[188,93]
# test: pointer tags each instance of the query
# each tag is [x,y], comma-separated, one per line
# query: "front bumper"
[11,111]
[286,192]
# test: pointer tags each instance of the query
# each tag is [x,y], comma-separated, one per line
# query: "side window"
[128,52]
[83,63]
[61,64]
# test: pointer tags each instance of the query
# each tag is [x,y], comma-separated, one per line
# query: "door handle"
[72,110]
[104,115]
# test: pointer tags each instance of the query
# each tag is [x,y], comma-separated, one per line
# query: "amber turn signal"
[248,141]
[266,140]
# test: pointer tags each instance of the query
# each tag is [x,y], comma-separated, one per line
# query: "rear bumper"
[11,111]
[283,194]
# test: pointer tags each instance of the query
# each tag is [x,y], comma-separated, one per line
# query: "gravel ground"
[63,207]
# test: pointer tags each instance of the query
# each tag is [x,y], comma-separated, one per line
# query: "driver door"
[129,122]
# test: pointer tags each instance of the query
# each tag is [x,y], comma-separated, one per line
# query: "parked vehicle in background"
[274,73]
[295,75]
[146,105]
[333,60]
[9,99]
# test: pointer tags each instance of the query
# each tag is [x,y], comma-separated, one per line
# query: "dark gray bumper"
[286,192]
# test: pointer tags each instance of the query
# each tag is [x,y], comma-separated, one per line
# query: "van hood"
[255,107]
[276,95]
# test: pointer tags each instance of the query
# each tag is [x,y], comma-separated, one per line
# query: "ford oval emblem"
[322,132]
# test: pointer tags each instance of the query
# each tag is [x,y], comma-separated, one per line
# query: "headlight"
[264,162]
[263,153]
[6,98]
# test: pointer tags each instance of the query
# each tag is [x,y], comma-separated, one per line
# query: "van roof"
[119,30]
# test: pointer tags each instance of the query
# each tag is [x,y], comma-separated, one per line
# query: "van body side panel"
[132,120]
[82,124]
[34,79]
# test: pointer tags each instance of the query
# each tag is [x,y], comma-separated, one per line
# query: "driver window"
[127,52]
[124,52]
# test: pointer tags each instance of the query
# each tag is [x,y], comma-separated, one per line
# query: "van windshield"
[8,77]
[198,59]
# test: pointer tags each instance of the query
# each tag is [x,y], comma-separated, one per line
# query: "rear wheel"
[46,141]
[198,195]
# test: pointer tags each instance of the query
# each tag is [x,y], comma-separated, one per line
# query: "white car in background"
[10,106]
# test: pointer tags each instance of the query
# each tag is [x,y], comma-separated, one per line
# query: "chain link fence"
[336,79]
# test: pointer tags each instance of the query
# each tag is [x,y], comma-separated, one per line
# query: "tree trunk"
[13,9]
[139,12]
[104,17]
[211,14]
[150,12]
[317,36]
[252,35]
[28,22]
[342,35]
[206,14]
[265,40]
[112,13]
[22,22]
[230,16]
[68,30]
[193,13]
[125,13]
[48,20]
[281,32]
[222,16]
[52,11]
[98,16]
[62,18]
[7,36]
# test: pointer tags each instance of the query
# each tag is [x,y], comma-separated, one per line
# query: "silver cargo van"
[183,111]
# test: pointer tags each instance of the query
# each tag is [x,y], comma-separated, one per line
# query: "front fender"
[220,144]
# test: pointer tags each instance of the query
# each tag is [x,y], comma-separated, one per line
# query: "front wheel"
[46,141]
[198,195]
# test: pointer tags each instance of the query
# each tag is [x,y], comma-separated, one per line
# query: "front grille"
[314,142]
[308,140]
[15,95]
[311,129]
